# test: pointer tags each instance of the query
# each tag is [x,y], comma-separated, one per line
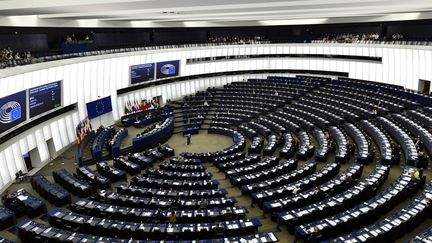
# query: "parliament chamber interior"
[202,121]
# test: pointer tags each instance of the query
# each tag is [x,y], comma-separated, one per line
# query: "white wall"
[85,79]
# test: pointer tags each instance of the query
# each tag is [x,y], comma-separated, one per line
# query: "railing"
[13,63]
[378,42]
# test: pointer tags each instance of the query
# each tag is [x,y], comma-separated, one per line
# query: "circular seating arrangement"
[314,154]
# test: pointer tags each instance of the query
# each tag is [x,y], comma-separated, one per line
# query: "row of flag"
[136,105]
[82,129]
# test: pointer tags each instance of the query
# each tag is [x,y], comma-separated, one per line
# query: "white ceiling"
[205,13]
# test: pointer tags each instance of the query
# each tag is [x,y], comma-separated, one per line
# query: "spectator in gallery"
[28,55]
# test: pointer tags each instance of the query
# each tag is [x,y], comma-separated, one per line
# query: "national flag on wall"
[154,103]
[126,110]
[82,129]
[143,104]
[137,106]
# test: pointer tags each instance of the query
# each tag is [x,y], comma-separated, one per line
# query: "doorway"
[424,86]
[34,158]
[27,161]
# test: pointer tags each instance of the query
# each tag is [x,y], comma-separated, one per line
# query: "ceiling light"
[87,22]
[293,21]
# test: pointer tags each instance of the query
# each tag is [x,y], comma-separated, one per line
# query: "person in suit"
[159,216]
[218,230]
[319,192]
[6,196]
[348,180]
[188,139]
[203,204]
[176,203]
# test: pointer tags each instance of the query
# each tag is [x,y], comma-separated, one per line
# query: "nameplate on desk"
[233,226]
[22,197]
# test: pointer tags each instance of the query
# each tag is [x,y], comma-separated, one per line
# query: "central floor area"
[200,143]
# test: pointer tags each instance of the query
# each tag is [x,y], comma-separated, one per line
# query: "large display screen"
[12,110]
[99,107]
[167,69]
[142,73]
[44,98]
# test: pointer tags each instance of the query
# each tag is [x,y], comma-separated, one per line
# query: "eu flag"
[99,107]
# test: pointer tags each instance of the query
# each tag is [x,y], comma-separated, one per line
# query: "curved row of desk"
[311,140]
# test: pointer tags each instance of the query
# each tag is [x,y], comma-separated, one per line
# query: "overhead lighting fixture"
[141,23]
[87,23]
[293,21]
[195,23]
[399,17]
[405,16]
[23,20]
